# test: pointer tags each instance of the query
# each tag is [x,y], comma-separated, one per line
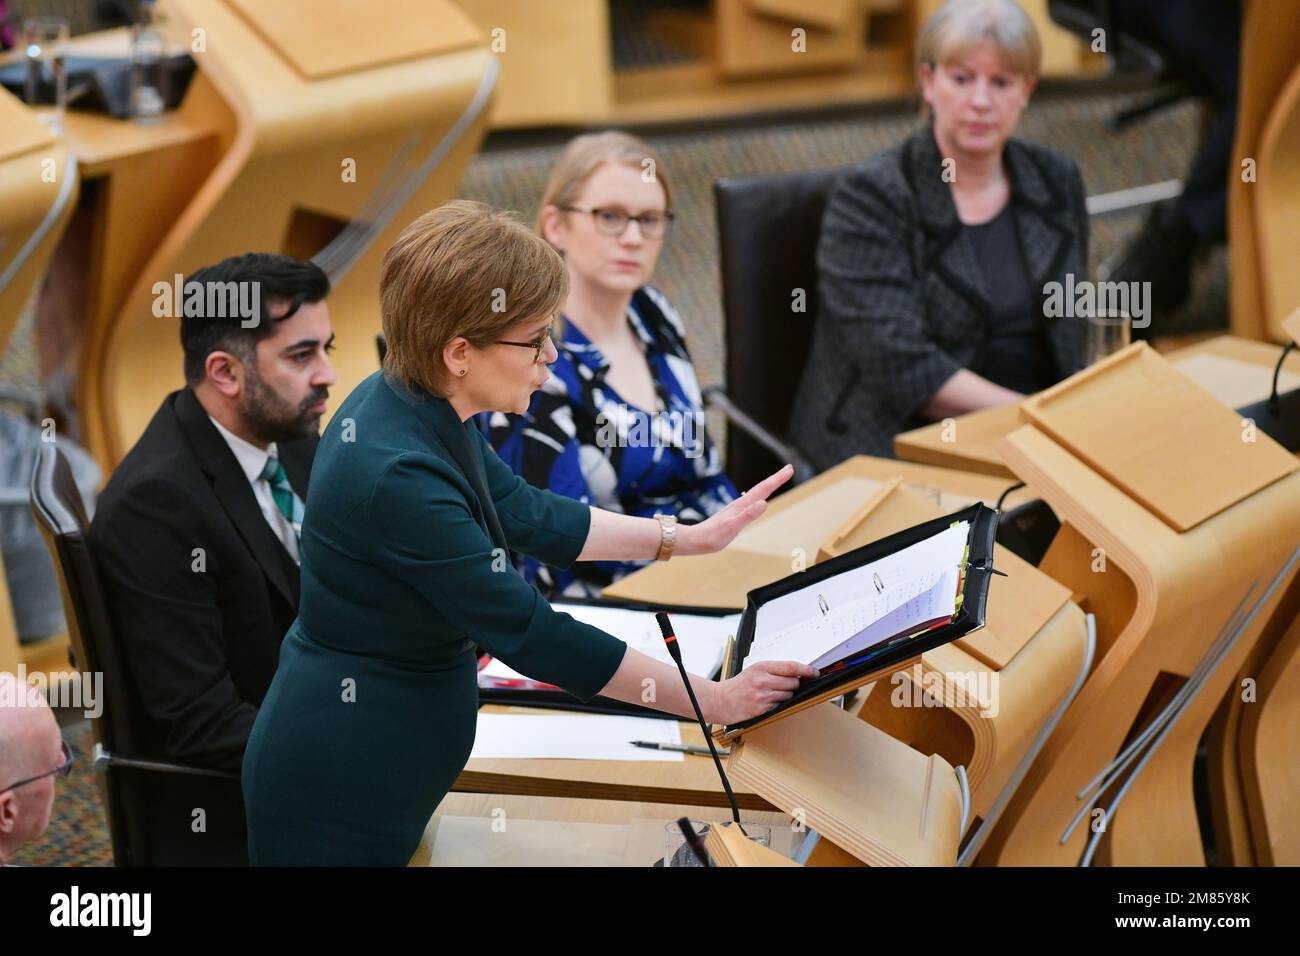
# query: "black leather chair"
[152,804]
[767,230]
[1128,56]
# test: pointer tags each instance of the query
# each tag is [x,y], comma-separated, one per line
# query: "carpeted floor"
[512,169]
[78,832]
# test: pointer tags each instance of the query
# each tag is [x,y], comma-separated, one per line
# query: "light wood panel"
[1270,754]
[1270,51]
[556,65]
[1184,588]
[9,653]
[1234,370]
[729,846]
[1132,414]
[347,36]
[864,791]
[1276,198]
[470,829]
[34,181]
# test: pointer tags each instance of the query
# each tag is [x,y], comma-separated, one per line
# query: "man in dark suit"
[196,534]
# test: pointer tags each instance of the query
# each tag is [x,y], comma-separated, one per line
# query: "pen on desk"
[676,748]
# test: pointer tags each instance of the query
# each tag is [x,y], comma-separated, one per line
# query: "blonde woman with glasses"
[619,423]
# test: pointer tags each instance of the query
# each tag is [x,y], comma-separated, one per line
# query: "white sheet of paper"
[573,737]
[702,638]
[797,627]
[1233,382]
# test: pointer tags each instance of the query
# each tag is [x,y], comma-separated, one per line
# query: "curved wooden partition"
[1161,549]
[1270,755]
[327,111]
[38,191]
[1264,288]
[1277,210]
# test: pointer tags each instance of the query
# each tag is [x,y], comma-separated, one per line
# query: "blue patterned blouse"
[580,439]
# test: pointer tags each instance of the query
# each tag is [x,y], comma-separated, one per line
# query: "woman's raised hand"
[718,530]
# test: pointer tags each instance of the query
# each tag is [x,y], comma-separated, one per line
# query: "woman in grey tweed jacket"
[931,299]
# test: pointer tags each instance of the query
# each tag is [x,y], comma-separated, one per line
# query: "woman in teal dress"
[406,563]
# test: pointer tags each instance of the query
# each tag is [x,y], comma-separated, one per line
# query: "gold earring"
[463,371]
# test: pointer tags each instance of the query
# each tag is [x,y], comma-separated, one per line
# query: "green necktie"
[290,504]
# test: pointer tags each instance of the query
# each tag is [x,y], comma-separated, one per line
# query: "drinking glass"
[1107,334]
[45,41]
[677,853]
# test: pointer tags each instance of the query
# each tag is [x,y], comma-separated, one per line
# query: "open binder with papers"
[870,611]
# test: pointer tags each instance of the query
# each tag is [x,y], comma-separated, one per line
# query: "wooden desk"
[794,527]
[507,830]
[1162,582]
[1235,371]
[1033,642]
[694,780]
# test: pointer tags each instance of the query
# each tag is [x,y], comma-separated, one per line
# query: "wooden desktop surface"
[693,780]
[795,525]
[1236,371]
[495,829]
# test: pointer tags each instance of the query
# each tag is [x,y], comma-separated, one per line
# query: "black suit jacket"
[902,301]
[200,589]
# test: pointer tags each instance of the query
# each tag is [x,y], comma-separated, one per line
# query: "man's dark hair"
[278,278]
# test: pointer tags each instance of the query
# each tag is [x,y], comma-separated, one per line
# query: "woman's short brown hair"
[463,269]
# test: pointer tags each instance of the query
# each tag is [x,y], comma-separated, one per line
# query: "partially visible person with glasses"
[620,422]
[32,754]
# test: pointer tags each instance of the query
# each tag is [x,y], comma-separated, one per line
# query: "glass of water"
[678,853]
[148,68]
[45,41]
[1108,334]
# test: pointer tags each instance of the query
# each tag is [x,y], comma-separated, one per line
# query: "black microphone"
[670,640]
[693,841]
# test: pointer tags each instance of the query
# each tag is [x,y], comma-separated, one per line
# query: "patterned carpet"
[511,174]
[78,832]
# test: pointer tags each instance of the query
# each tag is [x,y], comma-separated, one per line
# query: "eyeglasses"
[62,770]
[537,346]
[613,222]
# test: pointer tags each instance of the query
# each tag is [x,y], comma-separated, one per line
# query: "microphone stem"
[708,739]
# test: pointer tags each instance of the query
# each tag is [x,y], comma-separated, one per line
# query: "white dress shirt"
[252,460]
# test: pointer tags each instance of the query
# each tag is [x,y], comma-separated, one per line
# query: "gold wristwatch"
[668,536]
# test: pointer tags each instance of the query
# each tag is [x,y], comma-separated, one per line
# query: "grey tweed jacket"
[902,305]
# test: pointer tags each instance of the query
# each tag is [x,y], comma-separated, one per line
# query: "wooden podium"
[982,700]
[1178,521]
[872,798]
[1034,640]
